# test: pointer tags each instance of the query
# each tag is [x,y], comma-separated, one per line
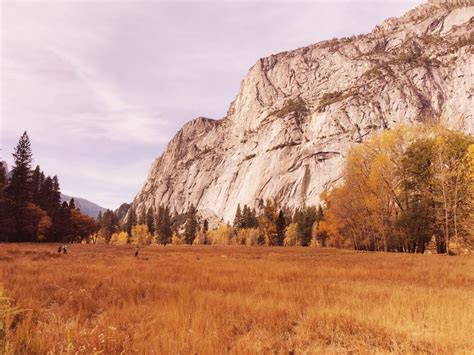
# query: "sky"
[102,86]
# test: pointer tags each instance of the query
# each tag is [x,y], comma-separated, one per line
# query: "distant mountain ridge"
[87,207]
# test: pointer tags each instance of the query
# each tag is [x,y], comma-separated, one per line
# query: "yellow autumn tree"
[223,235]
[120,238]
[139,234]
[400,188]
[291,235]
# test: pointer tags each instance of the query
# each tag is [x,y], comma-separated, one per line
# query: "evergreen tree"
[249,218]
[280,227]
[163,225]
[56,193]
[6,218]
[205,226]
[45,195]
[131,221]
[72,204]
[305,217]
[62,224]
[238,218]
[150,221]
[109,225]
[142,216]
[18,190]
[204,230]
[191,226]
[36,185]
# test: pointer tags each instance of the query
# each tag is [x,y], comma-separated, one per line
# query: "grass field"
[179,299]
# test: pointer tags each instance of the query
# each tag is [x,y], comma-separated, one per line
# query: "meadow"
[226,299]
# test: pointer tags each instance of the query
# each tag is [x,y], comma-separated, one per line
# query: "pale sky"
[102,86]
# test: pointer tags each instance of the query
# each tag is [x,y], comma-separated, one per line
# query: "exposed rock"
[121,212]
[297,113]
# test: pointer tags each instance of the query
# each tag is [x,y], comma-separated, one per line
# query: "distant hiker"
[60,249]
[65,249]
[136,251]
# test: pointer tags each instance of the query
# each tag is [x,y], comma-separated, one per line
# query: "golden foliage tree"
[402,187]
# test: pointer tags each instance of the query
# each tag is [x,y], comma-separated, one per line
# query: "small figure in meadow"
[136,251]
[65,249]
[60,249]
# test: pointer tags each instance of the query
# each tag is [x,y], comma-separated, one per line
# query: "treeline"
[160,226]
[269,224]
[403,189]
[30,204]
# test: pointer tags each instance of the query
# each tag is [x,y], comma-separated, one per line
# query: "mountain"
[297,113]
[87,207]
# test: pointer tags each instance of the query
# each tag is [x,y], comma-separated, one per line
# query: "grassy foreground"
[180,299]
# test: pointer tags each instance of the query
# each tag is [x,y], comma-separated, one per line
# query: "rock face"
[297,113]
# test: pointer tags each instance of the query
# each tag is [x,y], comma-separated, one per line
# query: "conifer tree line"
[270,225]
[30,204]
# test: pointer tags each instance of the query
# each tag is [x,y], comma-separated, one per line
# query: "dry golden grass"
[180,299]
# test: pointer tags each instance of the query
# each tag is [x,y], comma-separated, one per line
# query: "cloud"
[116,119]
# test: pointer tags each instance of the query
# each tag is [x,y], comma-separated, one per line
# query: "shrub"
[297,106]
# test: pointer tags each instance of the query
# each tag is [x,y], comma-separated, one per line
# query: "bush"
[297,106]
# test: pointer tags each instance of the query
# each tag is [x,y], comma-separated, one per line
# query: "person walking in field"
[136,251]
[65,249]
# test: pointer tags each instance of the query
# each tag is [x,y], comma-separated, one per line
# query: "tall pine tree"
[18,191]
[6,217]
[191,227]
[280,227]
[131,221]
[163,225]
[150,221]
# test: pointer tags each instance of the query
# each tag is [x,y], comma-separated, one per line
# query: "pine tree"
[72,204]
[62,224]
[150,221]
[36,185]
[163,225]
[238,218]
[18,191]
[142,216]
[204,230]
[191,226]
[56,193]
[205,226]
[280,227]
[6,220]
[131,220]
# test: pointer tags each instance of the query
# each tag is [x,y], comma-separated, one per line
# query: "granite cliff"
[297,113]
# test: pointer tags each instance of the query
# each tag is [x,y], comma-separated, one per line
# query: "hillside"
[89,208]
